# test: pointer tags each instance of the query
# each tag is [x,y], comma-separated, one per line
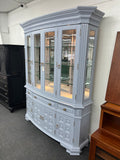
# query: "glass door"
[29,60]
[37,61]
[49,62]
[89,64]
[67,62]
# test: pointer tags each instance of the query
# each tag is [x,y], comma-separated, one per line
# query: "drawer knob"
[6,93]
[35,97]
[5,85]
[41,117]
[28,92]
[64,109]
[49,104]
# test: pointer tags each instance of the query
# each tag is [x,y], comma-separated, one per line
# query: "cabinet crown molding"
[84,15]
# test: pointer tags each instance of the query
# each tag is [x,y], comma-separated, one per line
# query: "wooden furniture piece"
[12,76]
[105,142]
[60,56]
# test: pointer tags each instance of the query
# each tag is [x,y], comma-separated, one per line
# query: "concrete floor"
[21,140]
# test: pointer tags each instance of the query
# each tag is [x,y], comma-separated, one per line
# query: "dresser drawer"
[3,92]
[65,109]
[44,100]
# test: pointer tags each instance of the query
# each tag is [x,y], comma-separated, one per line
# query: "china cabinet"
[60,57]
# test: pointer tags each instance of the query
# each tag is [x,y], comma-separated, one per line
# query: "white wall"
[106,39]
[3,28]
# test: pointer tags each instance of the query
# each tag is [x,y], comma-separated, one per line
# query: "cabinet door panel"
[39,113]
[49,61]
[64,127]
[49,119]
[29,60]
[67,62]
[37,60]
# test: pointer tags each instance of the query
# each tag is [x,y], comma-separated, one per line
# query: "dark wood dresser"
[105,142]
[12,76]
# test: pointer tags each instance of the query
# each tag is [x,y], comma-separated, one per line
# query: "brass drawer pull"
[49,104]
[56,125]
[64,109]
[41,117]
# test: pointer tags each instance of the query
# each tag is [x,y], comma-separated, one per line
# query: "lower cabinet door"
[49,120]
[39,114]
[64,127]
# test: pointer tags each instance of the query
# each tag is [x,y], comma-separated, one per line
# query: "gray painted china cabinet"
[60,57]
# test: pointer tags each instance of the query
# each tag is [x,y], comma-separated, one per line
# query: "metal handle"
[57,126]
[64,109]
[41,117]
[49,104]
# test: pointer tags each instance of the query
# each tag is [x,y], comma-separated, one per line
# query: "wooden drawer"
[3,92]
[65,109]
[28,92]
[44,101]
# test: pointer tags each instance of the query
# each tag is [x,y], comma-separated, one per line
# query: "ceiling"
[9,5]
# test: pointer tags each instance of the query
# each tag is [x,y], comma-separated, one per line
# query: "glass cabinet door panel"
[89,63]
[37,60]
[29,58]
[67,62]
[49,61]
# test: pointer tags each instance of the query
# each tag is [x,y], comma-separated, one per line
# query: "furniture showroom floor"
[20,140]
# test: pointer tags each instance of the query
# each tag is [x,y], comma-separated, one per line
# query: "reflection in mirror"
[29,58]
[49,61]
[67,62]
[37,60]
[89,64]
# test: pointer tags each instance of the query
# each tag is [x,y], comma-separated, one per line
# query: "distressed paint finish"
[63,119]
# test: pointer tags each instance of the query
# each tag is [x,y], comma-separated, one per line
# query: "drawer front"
[3,92]
[4,99]
[3,79]
[28,92]
[3,85]
[46,102]
[65,109]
